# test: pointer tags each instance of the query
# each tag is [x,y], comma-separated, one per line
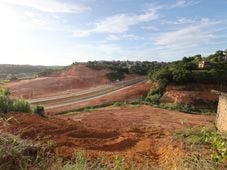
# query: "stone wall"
[222,113]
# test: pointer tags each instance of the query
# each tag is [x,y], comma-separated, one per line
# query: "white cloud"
[184,3]
[122,22]
[51,6]
[150,27]
[118,23]
[184,21]
[115,37]
[81,33]
[200,32]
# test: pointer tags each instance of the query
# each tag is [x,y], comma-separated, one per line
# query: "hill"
[10,71]
[70,79]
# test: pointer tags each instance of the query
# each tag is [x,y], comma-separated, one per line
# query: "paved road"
[69,99]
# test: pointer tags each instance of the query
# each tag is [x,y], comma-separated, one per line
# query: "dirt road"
[82,96]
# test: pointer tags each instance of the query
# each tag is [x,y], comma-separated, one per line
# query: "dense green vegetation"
[119,68]
[188,71]
[13,72]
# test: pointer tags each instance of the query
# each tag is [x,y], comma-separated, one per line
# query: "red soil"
[134,132]
[69,80]
[129,93]
[191,94]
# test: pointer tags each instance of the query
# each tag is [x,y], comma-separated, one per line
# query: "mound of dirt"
[133,132]
[199,95]
[68,80]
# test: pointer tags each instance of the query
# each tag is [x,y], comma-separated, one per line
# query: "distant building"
[203,64]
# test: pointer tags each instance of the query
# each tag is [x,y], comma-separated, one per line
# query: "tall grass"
[21,154]
[21,105]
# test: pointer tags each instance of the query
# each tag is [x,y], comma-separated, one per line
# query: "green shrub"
[115,75]
[206,137]
[89,109]
[5,104]
[18,105]
[39,110]
[179,107]
[153,99]
[120,104]
[196,161]
[21,105]
[4,92]
[51,144]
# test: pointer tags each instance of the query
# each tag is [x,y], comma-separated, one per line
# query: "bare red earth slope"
[71,79]
[200,95]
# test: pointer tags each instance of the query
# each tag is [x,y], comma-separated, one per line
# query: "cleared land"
[134,132]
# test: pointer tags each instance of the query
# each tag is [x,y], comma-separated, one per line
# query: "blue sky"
[57,32]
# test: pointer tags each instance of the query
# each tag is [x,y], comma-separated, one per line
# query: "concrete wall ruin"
[222,113]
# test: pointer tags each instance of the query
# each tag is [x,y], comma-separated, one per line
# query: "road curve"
[86,95]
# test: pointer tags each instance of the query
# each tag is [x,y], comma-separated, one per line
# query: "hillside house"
[221,121]
[203,64]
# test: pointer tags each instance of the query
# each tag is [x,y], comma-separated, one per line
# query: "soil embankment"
[199,95]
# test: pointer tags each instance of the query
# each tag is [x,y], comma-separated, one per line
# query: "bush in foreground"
[5,104]
[19,105]
[22,105]
[39,110]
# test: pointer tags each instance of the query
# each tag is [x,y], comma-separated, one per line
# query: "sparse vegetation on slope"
[199,139]
[16,153]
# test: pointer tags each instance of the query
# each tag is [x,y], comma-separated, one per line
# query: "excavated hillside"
[71,79]
[199,95]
